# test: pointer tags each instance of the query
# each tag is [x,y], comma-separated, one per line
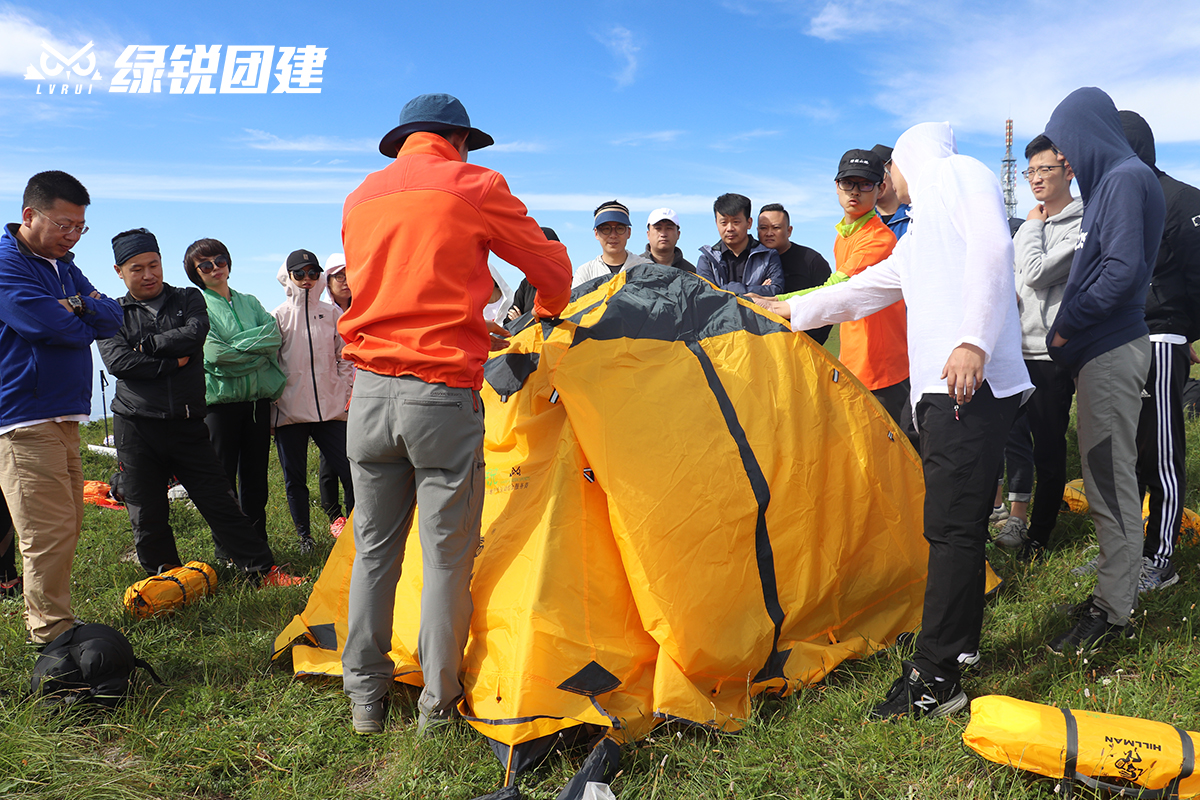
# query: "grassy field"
[228,725]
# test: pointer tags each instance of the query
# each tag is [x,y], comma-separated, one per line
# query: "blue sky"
[670,103]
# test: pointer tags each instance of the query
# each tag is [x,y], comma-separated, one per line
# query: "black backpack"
[90,663]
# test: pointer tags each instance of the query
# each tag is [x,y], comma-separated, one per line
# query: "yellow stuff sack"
[1086,746]
[163,593]
[1073,497]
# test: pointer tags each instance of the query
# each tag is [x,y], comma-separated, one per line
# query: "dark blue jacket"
[761,264]
[45,351]
[1104,301]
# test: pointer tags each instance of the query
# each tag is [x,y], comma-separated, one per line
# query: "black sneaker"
[920,695]
[1091,631]
[307,545]
[1031,552]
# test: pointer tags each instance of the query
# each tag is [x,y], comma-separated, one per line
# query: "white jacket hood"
[318,380]
[333,265]
[920,145]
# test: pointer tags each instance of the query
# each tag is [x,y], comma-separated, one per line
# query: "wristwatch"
[76,303]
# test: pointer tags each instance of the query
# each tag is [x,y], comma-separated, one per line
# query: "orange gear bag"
[163,593]
[1103,751]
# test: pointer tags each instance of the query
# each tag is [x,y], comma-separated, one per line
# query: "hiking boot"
[920,695]
[1091,631]
[1074,611]
[337,526]
[1088,567]
[999,514]
[276,576]
[307,545]
[436,724]
[1156,577]
[368,718]
[13,588]
[1014,533]
[1031,551]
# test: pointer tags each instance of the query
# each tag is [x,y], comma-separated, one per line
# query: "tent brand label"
[183,69]
[1132,743]
[501,481]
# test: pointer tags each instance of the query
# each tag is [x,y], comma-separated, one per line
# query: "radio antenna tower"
[1008,172]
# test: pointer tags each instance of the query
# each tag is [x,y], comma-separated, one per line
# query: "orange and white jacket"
[416,236]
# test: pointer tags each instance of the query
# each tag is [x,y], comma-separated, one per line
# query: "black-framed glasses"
[338,277]
[312,273]
[208,266]
[847,185]
[615,229]
[80,229]
[1040,172]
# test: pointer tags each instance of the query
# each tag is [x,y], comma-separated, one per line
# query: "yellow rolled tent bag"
[1104,751]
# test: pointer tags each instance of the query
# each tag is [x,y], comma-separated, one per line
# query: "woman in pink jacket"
[313,404]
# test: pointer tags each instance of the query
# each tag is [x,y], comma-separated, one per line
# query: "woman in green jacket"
[241,376]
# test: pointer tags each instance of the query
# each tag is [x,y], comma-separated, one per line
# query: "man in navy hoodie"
[1100,334]
[49,316]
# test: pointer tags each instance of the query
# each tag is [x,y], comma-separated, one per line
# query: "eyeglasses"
[847,185]
[312,273]
[1040,172]
[338,277]
[208,266]
[80,229]
[612,230]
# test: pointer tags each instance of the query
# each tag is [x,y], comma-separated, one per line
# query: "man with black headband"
[49,316]
[158,416]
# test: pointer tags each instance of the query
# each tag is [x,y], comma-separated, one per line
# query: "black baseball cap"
[861,164]
[302,258]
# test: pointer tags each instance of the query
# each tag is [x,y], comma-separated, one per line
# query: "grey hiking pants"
[1108,391]
[411,445]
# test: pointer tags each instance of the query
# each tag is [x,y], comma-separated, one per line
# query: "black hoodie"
[1173,302]
[1104,301]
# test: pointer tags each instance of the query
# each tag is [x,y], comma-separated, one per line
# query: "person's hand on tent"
[499,336]
[963,372]
[774,306]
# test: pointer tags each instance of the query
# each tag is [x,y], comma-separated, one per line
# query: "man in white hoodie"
[953,269]
[1045,247]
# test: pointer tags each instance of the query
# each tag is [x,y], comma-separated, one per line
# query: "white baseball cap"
[659,214]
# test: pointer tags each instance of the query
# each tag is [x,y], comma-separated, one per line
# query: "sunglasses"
[208,266]
[312,273]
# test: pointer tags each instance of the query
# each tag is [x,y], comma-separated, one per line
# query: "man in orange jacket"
[417,236]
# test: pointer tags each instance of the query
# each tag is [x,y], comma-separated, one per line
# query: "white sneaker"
[999,514]
[1014,533]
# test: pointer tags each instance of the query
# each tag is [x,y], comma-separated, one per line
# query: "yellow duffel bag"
[1085,746]
[167,591]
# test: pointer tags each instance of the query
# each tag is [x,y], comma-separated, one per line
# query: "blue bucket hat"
[432,113]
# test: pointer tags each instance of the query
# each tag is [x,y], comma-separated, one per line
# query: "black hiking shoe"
[919,694]
[1091,631]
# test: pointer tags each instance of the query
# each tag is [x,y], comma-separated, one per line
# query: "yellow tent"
[687,504]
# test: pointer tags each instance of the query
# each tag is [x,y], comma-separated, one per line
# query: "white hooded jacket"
[953,269]
[318,380]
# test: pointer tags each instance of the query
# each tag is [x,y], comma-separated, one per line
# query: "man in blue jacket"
[739,263]
[1100,335]
[49,316]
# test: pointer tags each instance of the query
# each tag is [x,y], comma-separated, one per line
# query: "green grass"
[228,725]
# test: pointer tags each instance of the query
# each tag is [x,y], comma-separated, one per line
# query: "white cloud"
[261,140]
[35,51]
[737,142]
[841,18]
[517,147]
[1002,61]
[652,137]
[619,41]
[684,204]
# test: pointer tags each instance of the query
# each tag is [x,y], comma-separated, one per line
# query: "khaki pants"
[41,474]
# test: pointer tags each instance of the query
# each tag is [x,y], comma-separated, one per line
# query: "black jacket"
[1173,302]
[144,357]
